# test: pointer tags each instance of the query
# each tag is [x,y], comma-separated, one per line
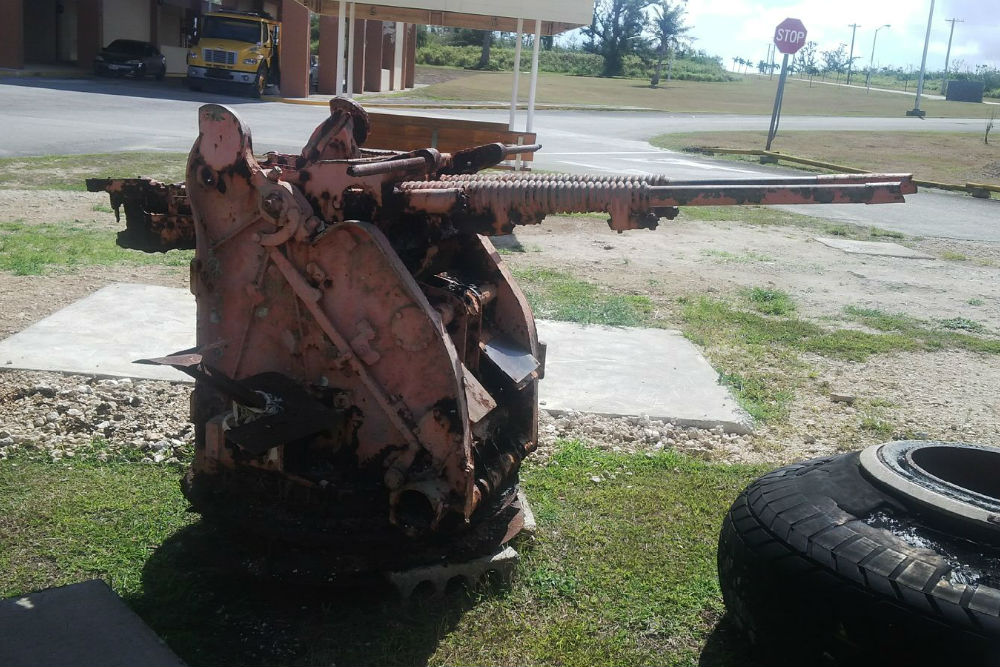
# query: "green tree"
[668,26]
[807,62]
[616,31]
[835,60]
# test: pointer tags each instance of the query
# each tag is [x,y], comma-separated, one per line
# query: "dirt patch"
[55,206]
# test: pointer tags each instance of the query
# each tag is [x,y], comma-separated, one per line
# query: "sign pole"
[789,37]
[776,113]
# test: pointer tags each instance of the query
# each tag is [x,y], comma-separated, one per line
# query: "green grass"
[621,572]
[950,157]
[725,257]
[952,256]
[770,301]
[766,336]
[36,249]
[68,172]
[942,334]
[975,302]
[556,295]
[751,95]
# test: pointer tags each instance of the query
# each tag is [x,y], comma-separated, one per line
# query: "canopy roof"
[556,15]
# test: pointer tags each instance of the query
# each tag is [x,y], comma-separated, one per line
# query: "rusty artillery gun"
[367,368]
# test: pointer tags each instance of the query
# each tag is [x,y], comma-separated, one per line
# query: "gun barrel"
[635,204]
[905,180]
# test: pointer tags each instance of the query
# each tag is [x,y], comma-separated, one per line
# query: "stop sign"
[790,36]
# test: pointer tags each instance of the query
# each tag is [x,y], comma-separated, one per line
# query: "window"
[218,27]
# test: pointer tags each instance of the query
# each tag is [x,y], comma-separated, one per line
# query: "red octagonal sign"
[790,36]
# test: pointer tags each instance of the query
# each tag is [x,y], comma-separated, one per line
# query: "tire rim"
[959,479]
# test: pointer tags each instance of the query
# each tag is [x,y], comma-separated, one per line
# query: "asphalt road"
[40,116]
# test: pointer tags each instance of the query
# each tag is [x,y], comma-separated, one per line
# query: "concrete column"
[534,76]
[373,56]
[294,49]
[12,45]
[341,42]
[154,22]
[410,56]
[329,48]
[397,57]
[89,22]
[514,91]
[389,52]
[357,45]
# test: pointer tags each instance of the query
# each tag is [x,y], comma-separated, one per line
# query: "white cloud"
[731,28]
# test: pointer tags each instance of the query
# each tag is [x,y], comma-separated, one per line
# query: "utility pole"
[871,62]
[916,111]
[947,55]
[850,59]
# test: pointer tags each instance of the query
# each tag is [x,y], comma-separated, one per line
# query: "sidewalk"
[610,371]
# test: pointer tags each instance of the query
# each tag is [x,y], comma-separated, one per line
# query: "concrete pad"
[621,371]
[77,626]
[615,371]
[105,332]
[877,248]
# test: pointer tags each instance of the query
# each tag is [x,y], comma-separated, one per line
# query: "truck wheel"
[260,82]
[829,562]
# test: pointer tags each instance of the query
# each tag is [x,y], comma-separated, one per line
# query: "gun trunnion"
[367,369]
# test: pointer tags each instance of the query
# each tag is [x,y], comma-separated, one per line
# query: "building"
[71,32]
[382,45]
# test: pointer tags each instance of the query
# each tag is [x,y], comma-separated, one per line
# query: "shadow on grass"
[199,595]
[726,645]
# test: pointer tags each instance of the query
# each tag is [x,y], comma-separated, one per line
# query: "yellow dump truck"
[234,50]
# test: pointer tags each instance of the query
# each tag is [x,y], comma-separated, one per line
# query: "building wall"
[40,31]
[12,33]
[67,31]
[126,19]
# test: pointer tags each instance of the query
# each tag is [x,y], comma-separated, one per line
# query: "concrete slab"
[604,370]
[78,626]
[877,248]
[105,332]
[620,371]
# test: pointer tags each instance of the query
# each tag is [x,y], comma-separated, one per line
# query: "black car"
[131,57]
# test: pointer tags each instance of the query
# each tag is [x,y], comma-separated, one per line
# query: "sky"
[744,28]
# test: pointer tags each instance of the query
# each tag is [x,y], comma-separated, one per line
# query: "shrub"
[577,63]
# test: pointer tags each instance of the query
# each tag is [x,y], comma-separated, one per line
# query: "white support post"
[517,74]
[397,59]
[350,52]
[341,42]
[534,76]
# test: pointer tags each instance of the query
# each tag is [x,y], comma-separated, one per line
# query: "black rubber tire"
[811,577]
[161,74]
[260,82]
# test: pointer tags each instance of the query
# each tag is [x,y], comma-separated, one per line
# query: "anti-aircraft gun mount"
[366,366]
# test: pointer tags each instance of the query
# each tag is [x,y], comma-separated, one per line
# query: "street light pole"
[850,59]
[871,61]
[915,111]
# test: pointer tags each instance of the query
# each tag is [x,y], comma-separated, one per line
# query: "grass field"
[753,95]
[621,572]
[68,172]
[936,156]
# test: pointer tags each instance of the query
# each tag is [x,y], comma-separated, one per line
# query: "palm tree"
[667,25]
